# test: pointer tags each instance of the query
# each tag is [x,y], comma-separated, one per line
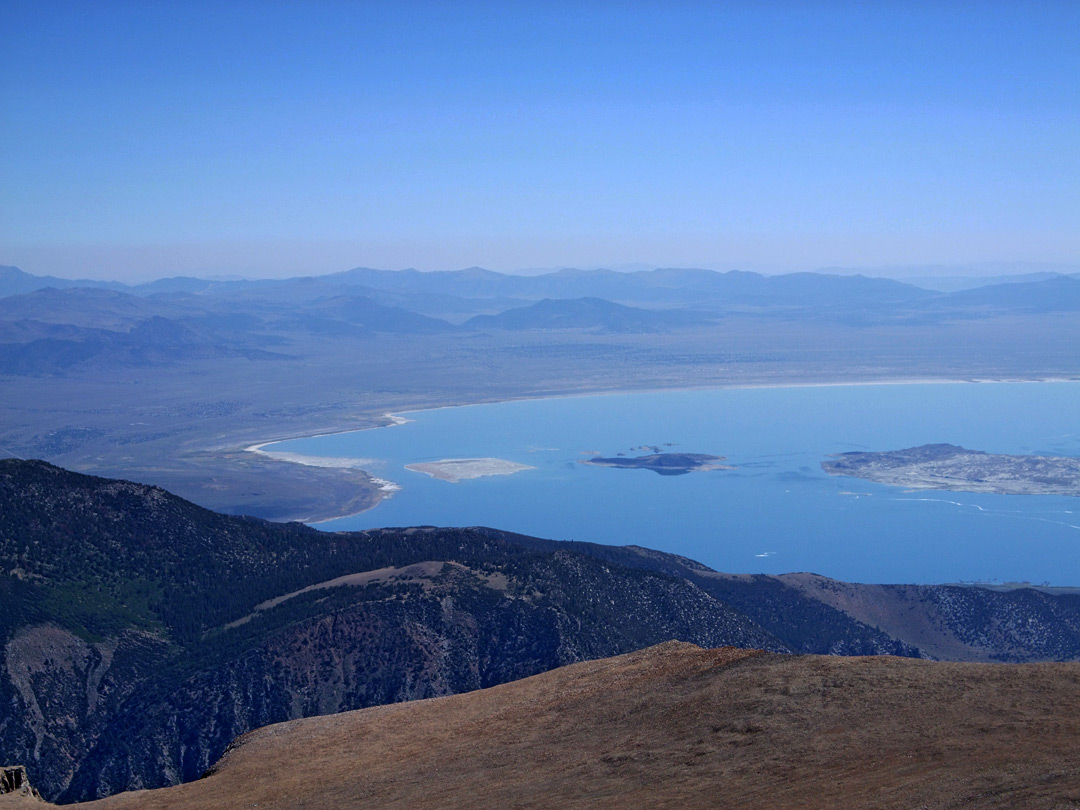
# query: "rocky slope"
[134,649]
[676,726]
[141,634]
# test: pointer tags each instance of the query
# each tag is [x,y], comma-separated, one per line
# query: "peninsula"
[949,467]
[663,463]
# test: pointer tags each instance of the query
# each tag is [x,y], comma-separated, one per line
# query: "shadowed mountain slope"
[141,634]
[675,726]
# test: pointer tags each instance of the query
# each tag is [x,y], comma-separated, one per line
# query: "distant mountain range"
[142,634]
[666,287]
[48,325]
[478,282]
[14,281]
[1055,294]
[662,286]
[48,331]
[952,283]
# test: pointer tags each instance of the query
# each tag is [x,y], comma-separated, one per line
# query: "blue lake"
[777,511]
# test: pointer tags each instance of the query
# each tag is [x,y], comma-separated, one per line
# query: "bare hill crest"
[675,726]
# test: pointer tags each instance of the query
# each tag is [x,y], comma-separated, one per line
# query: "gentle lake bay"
[777,511]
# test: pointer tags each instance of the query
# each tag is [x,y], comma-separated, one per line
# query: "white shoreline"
[401,418]
[395,419]
[383,486]
[725,387]
[334,462]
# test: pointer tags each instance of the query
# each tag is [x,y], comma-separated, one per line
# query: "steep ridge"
[675,726]
[810,613]
[958,622]
[141,634]
[126,663]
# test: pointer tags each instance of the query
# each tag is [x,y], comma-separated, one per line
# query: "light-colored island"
[461,469]
[949,467]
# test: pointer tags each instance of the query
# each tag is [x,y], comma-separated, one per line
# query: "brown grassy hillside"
[675,726]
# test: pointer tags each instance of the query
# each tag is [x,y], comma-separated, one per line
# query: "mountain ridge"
[144,633]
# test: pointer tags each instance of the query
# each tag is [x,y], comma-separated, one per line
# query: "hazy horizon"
[972,271]
[267,140]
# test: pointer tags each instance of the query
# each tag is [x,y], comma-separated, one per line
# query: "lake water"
[777,511]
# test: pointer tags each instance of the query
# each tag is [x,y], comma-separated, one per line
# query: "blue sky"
[141,139]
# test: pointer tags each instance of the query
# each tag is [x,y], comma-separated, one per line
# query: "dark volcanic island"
[663,463]
[946,466]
